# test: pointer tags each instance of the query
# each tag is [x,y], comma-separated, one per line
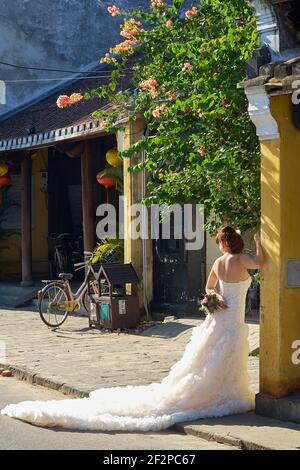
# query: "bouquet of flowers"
[211,303]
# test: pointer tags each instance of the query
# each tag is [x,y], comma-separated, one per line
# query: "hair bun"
[231,238]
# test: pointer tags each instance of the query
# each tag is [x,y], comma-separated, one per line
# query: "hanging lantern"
[106,181]
[5,180]
[113,159]
[3,169]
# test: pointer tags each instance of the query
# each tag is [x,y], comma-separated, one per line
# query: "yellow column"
[133,192]
[280,299]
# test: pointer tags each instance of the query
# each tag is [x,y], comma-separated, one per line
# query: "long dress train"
[210,380]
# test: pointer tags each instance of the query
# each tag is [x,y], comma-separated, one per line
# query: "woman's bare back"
[233,267]
[230,268]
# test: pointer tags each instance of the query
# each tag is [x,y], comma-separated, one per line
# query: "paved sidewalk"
[77,360]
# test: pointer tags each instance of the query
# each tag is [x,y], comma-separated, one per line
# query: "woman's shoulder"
[243,257]
[218,261]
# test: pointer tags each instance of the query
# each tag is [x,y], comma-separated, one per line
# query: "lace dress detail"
[210,380]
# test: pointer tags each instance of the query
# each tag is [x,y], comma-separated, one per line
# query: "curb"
[37,379]
[227,439]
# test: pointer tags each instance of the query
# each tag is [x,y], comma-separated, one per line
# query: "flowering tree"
[200,145]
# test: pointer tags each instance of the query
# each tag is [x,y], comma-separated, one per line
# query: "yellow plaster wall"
[133,194]
[280,322]
[10,254]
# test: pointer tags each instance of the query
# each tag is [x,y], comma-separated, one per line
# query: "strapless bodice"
[234,294]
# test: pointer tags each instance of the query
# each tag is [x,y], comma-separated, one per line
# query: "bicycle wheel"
[49,302]
[86,301]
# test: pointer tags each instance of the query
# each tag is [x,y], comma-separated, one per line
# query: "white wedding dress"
[210,380]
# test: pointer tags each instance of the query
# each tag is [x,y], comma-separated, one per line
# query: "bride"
[210,380]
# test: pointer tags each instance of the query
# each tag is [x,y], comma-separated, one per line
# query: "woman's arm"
[212,281]
[211,287]
[259,260]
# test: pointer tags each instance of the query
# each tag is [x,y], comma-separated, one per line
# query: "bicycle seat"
[66,276]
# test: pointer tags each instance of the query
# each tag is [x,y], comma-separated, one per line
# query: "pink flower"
[187,67]
[202,151]
[172,97]
[153,83]
[131,29]
[226,102]
[148,84]
[169,23]
[63,101]
[108,59]
[159,110]
[124,47]
[75,98]
[104,124]
[154,93]
[158,4]
[192,13]
[113,10]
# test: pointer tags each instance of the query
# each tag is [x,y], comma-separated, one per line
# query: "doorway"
[178,275]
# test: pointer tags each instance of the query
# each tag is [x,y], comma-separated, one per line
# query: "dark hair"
[232,239]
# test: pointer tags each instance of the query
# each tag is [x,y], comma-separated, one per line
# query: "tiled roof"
[118,273]
[43,122]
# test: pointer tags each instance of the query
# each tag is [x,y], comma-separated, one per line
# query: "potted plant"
[109,250]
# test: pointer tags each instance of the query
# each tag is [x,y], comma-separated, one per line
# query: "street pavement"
[16,435]
[77,359]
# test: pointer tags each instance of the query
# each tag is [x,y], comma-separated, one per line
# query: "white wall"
[212,253]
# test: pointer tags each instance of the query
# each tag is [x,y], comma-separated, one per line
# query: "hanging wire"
[57,79]
[42,69]
[79,72]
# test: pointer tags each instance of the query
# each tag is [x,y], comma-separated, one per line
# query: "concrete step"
[285,408]
[15,297]
[247,431]
[12,294]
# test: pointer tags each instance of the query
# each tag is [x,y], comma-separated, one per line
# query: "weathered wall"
[63,34]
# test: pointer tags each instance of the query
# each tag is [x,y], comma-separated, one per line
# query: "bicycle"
[63,254]
[56,300]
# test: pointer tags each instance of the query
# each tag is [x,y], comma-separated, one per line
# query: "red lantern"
[107,182]
[5,180]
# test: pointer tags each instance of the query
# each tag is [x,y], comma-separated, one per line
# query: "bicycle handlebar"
[77,265]
[84,263]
